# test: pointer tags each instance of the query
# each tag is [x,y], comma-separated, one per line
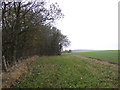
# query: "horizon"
[91,49]
[95,27]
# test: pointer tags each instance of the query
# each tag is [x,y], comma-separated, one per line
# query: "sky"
[90,24]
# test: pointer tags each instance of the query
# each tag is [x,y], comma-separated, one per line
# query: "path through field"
[69,71]
[96,59]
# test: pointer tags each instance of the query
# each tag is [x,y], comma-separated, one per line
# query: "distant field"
[67,71]
[111,55]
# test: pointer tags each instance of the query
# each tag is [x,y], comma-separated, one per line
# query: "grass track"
[69,72]
[111,55]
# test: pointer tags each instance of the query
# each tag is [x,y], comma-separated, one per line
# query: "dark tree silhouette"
[27,30]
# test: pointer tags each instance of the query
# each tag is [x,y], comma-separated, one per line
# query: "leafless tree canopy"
[27,30]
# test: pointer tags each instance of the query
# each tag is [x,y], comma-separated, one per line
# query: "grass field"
[111,55]
[67,71]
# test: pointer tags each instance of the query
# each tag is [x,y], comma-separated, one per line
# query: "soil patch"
[96,59]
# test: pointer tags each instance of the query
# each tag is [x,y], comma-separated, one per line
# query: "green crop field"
[68,71]
[111,55]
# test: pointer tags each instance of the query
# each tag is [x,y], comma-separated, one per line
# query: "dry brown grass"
[15,72]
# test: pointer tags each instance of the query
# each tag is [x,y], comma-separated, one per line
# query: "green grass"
[69,72]
[111,55]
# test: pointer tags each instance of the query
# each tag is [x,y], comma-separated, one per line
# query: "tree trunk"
[4,65]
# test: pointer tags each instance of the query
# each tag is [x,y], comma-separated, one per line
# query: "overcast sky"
[90,24]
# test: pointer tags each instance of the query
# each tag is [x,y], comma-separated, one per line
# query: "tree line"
[27,30]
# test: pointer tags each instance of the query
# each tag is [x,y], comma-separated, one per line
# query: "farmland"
[68,71]
[34,48]
[110,55]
